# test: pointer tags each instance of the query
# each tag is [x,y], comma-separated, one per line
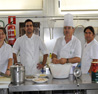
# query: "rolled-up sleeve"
[16,46]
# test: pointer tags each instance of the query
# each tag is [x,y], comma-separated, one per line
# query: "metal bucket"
[17,74]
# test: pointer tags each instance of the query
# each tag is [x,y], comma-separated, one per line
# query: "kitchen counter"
[4,83]
[56,84]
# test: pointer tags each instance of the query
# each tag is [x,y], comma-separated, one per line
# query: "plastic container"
[60,70]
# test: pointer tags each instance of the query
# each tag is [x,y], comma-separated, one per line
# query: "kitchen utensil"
[60,70]
[17,74]
[77,74]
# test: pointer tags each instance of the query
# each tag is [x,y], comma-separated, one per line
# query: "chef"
[90,50]
[67,48]
[30,46]
[5,53]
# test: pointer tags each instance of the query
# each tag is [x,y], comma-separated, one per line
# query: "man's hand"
[63,60]
[7,72]
[40,66]
[55,61]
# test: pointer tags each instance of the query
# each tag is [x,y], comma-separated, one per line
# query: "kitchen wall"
[44,23]
[50,11]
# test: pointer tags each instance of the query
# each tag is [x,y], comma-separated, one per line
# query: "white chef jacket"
[68,50]
[29,52]
[5,54]
[90,52]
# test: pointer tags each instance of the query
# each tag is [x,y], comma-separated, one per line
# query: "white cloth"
[29,52]
[68,20]
[5,54]
[68,50]
[90,52]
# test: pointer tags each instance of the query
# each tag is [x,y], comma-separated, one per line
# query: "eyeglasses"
[28,25]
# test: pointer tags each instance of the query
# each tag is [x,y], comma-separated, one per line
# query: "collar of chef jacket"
[31,36]
[64,42]
[87,44]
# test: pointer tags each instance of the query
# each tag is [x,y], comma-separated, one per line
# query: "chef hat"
[68,20]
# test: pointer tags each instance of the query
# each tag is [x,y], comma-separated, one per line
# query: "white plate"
[29,77]
[41,75]
[40,80]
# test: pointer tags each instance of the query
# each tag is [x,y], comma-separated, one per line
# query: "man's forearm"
[15,58]
[44,59]
[9,63]
[74,60]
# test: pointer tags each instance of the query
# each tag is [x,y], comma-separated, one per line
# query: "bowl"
[60,70]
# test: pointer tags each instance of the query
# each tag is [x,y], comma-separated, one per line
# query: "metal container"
[94,72]
[17,74]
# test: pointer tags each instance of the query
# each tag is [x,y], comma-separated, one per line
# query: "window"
[78,5]
[21,4]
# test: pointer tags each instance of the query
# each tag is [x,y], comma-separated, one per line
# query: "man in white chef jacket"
[67,48]
[30,46]
[90,50]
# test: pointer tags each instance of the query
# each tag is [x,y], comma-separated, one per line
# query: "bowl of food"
[41,75]
[60,70]
[40,80]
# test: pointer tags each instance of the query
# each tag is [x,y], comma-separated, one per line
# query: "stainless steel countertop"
[56,84]
[4,85]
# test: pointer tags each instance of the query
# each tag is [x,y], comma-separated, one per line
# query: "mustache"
[67,32]
[29,29]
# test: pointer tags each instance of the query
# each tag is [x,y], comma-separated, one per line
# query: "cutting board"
[5,79]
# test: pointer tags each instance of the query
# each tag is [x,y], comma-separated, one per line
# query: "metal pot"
[17,74]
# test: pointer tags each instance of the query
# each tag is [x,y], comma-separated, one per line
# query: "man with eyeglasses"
[30,46]
[68,48]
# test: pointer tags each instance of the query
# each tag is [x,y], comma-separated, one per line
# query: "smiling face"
[29,28]
[2,35]
[89,36]
[68,31]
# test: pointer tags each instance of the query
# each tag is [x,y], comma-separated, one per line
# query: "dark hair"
[3,29]
[90,28]
[29,20]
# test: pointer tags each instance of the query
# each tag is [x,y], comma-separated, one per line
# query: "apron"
[67,51]
[86,60]
[28,59]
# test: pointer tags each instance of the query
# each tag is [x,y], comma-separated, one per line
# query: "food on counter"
[42,75]
[29,77]
[4,79]
[40,80]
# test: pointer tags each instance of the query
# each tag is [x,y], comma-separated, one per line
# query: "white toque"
[68,20]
